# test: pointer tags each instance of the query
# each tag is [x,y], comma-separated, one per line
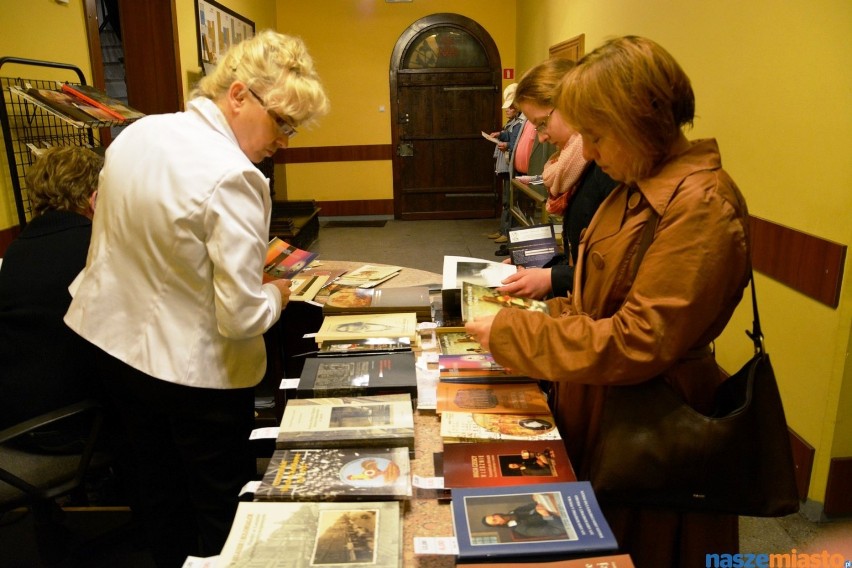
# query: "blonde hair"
[539,84]
[63,178]
[278,68]
[633,88]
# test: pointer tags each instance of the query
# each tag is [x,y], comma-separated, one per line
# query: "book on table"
[369,275]
[492,398]
[356,300]
[487,273]
[530,522]
[302,534]
[117,109]
[358,375]
[459,427]
[336,474]
[366,346]
[345,422]
[456,341]
[475,368]
[363,326]
[532,247]
[507,462]
[478,301]
[284,260]
[608,561]
[304,287]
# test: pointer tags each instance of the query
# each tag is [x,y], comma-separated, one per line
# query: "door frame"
[400,49]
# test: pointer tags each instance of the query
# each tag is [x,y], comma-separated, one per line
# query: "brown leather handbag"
[656,451]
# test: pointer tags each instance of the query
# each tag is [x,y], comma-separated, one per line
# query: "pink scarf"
[561,173]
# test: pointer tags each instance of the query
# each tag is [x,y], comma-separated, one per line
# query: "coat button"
[597,260]
[634,200]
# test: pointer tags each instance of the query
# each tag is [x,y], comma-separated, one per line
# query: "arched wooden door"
[445,81]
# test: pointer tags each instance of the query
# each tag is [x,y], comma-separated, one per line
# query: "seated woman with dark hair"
[42,360]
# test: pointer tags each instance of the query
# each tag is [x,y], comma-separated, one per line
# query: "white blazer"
[172,285]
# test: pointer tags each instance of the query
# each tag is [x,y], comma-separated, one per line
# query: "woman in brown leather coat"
[625,322]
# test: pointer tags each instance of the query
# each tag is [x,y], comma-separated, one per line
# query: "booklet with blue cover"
[530,521]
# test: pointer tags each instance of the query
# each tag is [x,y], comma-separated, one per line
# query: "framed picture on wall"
[218,29]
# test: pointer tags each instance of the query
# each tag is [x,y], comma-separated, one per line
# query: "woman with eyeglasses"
[172,293]
[661,268]
[576,186]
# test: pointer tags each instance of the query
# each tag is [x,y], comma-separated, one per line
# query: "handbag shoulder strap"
[756,334]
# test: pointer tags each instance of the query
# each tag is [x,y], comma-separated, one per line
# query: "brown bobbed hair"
[538,85]
[634,89]
[63,178]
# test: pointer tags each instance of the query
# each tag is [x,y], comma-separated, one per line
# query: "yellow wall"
[46,31]
[772,82]
[351,43]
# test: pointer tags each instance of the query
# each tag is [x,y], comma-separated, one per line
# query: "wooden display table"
[285,341]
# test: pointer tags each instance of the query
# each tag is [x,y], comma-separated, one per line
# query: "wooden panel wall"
[805,263]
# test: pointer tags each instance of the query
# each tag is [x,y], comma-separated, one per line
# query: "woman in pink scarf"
[575,186]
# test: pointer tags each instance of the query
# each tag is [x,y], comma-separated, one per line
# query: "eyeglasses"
[284,127]
[542,126]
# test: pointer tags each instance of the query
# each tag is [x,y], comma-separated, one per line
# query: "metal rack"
[28,126]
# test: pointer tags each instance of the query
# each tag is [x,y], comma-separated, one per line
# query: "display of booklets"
[367,346]
[530,521]
[301,535]
[336,474]
[355,300]
[478,427]
[361,326]
[369,275]
[382,420]
[610,561]
[63,105]
[478,301]
[532,246]
[358,375]
[304,287]
[284,260]
[116,108]
[458,269]
[492,398]
[510,462]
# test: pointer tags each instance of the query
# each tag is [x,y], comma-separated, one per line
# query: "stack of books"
[357,300]
[358,375]
[365,326]
[315,534]
[349,421]
[531,522]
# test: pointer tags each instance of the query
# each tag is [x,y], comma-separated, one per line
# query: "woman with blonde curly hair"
[172,294]
[37,269]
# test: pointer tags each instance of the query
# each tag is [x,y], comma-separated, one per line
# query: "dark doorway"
[143,36]
[445,82]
